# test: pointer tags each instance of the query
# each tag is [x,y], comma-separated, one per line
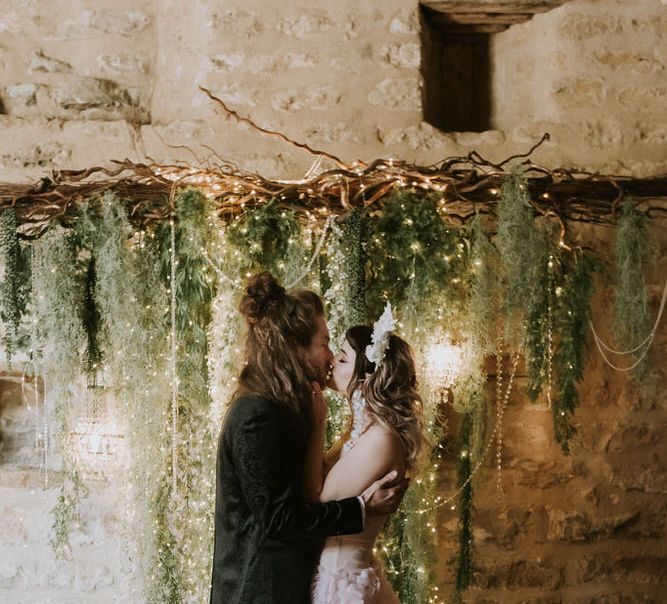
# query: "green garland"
[267,238]
[67,513]
[632,253]
[355,256]
[523,254]
[132,302]
[188,517]
[464,559]
[57,301]
[572,314]
[114,281]
[92,358]
[411,249]
[536,321]
[484,305]
[480,321]
[15,285]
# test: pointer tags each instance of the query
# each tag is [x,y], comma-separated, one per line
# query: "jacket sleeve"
[268,472]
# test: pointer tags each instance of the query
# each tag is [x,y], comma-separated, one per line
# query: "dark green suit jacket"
[267,538]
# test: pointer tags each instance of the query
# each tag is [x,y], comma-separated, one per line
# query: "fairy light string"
[172,360]
[502,400]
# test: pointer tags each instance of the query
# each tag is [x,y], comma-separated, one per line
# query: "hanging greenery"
[538,312]
[132,300]
[353,243]
[92,358]
[191,462]
[411,248]
[464,559]
[267,237]
[523,253]
[344,287]
[484,305]
[67,513]
[335,281]
[481,319]
[57,303]
[572,313]
[15,285]
[102,297]
[631,255]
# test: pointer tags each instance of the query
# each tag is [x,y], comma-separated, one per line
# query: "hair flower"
[381,330]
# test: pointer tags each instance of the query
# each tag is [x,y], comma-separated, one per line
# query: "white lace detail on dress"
[345,587]
[359,418]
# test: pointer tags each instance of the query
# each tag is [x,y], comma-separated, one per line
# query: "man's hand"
[385,495]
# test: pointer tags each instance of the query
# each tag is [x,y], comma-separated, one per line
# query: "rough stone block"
[312,97]
[96,98]
[260,64]
[341,132]
[580,26]
[402,94]
[122,63]
[237,22]
[422,137]
[305,25]
[43,63]
[76,99]
[125,24]
[405,55]
[405,21]
[546,474]
[606,597]
[580,93]
[613,566]
[510,574]
[583,526]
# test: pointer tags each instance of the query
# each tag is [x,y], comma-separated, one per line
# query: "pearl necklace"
[359,423]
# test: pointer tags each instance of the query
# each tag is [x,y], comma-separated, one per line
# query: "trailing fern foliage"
[266,238]
[522,252]
[411,249]
[572,315]
[67,513]
[353,249]
[464,559]
[631,255]
[15,284]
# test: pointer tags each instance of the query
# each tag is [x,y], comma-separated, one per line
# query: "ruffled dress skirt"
[348,573]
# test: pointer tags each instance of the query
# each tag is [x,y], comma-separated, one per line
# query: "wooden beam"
[492,6]
[467,23]
[486,18]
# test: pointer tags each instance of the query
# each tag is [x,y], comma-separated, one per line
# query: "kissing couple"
[295,524]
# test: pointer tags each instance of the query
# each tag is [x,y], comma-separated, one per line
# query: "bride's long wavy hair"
[392,397]
[390,390]
[280,326]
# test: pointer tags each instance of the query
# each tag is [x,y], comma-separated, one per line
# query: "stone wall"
[83,82]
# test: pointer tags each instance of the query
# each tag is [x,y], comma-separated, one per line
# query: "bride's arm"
[379,451]
[313,471]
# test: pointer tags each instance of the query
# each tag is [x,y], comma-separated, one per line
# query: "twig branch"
[279,135]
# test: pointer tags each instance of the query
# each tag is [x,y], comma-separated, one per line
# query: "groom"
[267,538]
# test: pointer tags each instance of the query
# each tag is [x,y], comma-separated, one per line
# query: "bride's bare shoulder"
[379,437]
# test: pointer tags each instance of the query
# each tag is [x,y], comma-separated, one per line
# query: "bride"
[376,370]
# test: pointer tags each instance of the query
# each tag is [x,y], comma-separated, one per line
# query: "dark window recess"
[456,69]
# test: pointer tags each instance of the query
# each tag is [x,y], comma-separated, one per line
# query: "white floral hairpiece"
[381,330]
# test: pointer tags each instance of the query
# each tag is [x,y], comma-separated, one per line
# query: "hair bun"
[263,296]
